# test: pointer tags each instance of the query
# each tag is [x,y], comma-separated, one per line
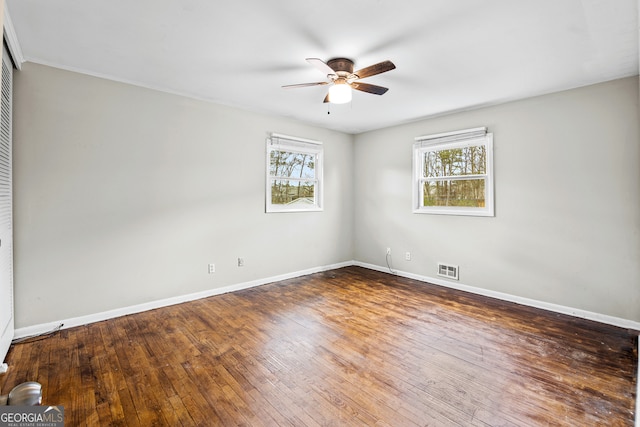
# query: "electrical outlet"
[212,268]
[407,256]
[388,251]
[240,262]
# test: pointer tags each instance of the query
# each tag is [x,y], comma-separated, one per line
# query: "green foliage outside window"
[452,165]
[293,177]
[462,193]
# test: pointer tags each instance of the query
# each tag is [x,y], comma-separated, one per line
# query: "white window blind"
[456,136]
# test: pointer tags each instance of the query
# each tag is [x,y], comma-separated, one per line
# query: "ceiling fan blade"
[365,87]
[305,85]
[321,65]
[380,67]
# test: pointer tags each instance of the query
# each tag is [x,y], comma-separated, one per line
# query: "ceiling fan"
[342,79]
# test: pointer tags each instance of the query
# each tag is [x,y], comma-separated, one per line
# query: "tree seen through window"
[458,162]
[293,177]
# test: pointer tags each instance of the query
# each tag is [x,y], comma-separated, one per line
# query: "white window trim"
[451,140]
[298,145]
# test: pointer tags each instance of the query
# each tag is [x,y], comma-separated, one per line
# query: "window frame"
[448,141]
[279,142]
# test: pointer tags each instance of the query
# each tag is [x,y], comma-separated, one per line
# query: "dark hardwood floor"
[346,347]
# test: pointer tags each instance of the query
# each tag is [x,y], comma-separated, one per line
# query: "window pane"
[459,192]
[289,192]
[289,164]
[455,162]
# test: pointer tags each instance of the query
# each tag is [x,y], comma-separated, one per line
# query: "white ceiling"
[450,55]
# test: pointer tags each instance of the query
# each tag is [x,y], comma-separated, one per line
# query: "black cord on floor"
[37,337]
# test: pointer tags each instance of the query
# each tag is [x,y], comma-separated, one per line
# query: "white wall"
[567,192]
[123,195]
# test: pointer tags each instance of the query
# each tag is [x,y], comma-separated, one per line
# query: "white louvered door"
[6,209]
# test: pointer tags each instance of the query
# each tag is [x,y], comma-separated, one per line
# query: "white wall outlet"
[212,268]
[240,262]
[407,256]
[388,251]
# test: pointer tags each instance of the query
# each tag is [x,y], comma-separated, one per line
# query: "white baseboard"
[105,315]
[110,314]
[602,318]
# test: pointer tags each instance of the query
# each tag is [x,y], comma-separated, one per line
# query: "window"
[453,173]
[294,174]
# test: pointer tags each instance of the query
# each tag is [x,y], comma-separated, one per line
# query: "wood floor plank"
[344,347]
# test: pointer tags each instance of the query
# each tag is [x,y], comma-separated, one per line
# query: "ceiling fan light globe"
[340,94]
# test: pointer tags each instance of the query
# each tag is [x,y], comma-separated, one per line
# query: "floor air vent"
[448,271]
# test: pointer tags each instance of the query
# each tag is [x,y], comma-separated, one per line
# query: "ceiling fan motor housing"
[342,66]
